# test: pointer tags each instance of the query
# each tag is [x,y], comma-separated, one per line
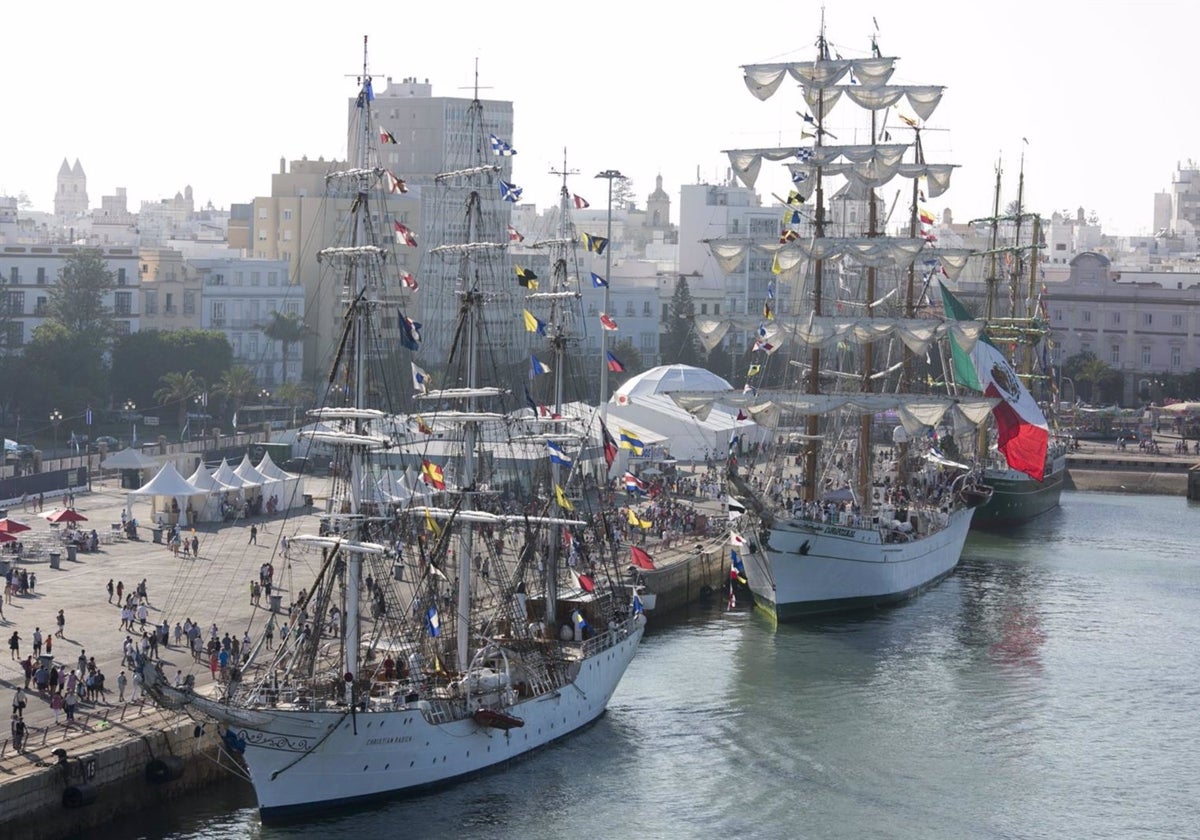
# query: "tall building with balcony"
[238,296]
[29,272]
[171,290]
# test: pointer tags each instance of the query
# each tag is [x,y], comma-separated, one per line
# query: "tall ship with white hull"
[854,505]
[439,636]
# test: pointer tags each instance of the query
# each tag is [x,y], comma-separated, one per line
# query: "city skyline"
[643,90]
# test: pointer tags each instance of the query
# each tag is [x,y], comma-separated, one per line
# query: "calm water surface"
[1049,688]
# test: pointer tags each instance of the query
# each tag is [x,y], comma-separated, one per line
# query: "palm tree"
[236,386]
[287,329]
[179,388]
[295,394]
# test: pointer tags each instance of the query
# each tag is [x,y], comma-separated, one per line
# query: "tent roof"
[267,468]
[669,378]
[247,472]
[205,480]
[226,475]
[168,482]
[129,459]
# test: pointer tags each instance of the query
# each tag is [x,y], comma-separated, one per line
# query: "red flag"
[640,558]
[586,583]
[580,202]
[403,234]
[433,475]
[741,415]
[409,281]
[610,445]
[395,184]
[607,322]
[514,235]
[386,136]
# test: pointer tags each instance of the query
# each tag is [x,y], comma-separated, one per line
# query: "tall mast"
[812,426]
[990,306]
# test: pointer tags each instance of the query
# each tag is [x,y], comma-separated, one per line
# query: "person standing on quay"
[253,535]
[110,590]
[62,624]
[37,641]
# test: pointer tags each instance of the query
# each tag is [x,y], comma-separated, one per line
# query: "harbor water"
[1048,688]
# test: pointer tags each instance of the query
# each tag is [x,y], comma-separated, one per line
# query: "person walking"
[14,645]
[110,590]
[19,703]
[37,641]
[195,545]
[62,624]
[69,704]
[120,591]
[122,681]
[56,704]
[253,535]
[27,667]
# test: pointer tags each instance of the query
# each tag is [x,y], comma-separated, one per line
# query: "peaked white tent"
[290,487]
[168,487]
[128,459]
[215,492]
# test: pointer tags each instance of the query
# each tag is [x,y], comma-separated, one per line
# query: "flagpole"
[609,174]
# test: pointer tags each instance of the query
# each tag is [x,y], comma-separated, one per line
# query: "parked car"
[311,465]
[111,442]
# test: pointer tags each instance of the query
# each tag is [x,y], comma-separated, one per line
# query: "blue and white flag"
[509,192]
[598,282]
[499,147]
[420,379]
[536,367]
[433,622]
[557,456]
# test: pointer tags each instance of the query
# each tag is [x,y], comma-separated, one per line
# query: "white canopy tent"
[167,487]
[291,487]
[128,459]
[214,491]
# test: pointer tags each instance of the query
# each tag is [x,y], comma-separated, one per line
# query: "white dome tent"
[643,402]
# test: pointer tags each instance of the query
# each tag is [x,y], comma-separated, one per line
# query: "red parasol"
[65,515]
[5,537]
[12,526]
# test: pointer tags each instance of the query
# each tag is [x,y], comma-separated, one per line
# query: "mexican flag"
[1022,428]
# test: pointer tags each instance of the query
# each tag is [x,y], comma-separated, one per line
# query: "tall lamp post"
[55,418]
[609,175]
[130,407]
[263,396]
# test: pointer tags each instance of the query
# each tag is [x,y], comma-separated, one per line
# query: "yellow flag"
[776,268]
[754,370]
[531,322]
[633,517]
[563,501]
[431,525]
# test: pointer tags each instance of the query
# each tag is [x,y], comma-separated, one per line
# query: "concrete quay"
[111,745]
[119,751]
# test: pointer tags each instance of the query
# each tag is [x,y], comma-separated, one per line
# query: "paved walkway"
[215,587]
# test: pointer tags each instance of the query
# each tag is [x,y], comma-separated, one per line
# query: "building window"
[40,305]
[189,303]
[1176,358]
[287,235]
[121,327]
[629,309]
[16,333]
[704,309]
[121,279]
[14,276]
[1060,246]
[123,303]
[716,309]
[1147,319]
[646,309]
[254,278]
[237,278]
[13,303]
[150,302]
[287,215]
[1176,320]
[1087,316]
[1114,355]
[1116,318]
[169,309]
[41,276]
[649,343]
[218,313]
[262,213]
[272,278]
[262,235]
[1145,356]
[1058,316]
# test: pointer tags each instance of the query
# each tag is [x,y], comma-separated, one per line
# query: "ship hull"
[1017,498]
[306,761]
[809,569]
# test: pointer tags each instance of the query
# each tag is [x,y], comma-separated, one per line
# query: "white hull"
[811,568]
[305,760]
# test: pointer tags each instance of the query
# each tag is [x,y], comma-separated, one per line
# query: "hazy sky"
[151,97]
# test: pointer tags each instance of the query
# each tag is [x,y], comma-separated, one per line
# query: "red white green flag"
[1021,426]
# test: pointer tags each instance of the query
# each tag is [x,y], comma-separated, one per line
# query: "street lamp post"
[263,396]
[609,175]
[55,418]
[130,407]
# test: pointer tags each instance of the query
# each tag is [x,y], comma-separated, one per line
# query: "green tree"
[1095,380]
[142,358]
[679,344]
[287,329]
[77,300]
[235,387]
[179,389]
[65,370]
